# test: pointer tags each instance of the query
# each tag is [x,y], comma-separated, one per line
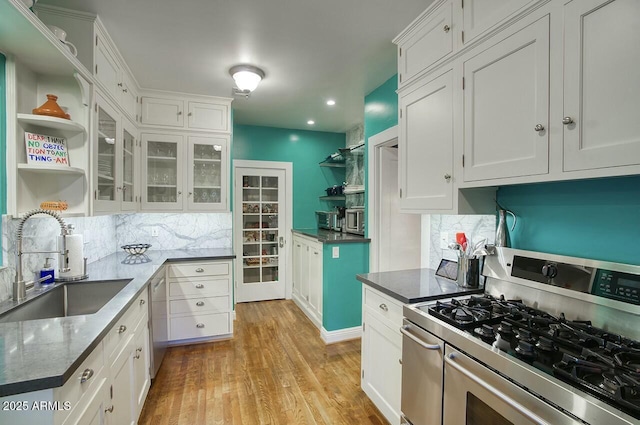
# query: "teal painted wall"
[342,301]
[3,145]
[597,219]
[305,149]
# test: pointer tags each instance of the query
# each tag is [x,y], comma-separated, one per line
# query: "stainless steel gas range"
[554,340]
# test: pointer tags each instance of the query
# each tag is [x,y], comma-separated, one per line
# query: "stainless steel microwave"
[354,221]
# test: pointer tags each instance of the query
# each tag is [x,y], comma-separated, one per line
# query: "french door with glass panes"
[260,211]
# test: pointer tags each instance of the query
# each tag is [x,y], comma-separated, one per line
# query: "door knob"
[567,120]
[446,28]
[539,127]
[447,177]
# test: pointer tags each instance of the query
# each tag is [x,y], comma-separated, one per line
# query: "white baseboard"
[330,337]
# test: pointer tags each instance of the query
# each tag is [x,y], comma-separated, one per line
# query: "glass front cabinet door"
[128,186]
[162,172]
[207,173]
[105,160]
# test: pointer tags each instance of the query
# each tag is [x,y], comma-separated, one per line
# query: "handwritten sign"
[46,150]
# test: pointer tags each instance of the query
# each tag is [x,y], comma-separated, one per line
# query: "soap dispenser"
[47,270]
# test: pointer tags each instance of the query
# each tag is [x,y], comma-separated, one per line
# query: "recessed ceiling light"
[331,102]
[311,122]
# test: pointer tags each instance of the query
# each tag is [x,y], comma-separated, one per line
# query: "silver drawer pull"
[109,409]
[86,375]
[142,302]
[200,325]
[122,329]
[404,330]
[200,303]
[199,270]
[199,286]
[384,307]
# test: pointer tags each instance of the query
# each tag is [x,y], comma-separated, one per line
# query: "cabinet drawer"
[84,379]
[384,306]
[200,325]
[124,326]
[200,305]
[198,287]
[199,269]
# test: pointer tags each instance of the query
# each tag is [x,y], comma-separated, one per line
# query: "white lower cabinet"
[200,300]
[307,277]
[382,352]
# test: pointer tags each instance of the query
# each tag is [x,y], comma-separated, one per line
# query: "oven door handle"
[404,330]
[493,390]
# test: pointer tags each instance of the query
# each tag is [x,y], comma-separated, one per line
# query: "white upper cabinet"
[162,112]
[506,106]
[480,15]
[425,42]
[601,85]
[107,71]
[208,116]
[426,146]
[169,112]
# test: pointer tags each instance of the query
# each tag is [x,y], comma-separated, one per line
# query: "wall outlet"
[154,232]
[335,252]
[444,240]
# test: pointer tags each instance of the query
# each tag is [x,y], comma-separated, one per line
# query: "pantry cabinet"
[600,122]
[382,352]
[478,16]
[426,145]
[307,289]
[162,112]
[506,106]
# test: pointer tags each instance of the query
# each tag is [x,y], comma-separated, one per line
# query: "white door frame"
[385,138]
[288,218]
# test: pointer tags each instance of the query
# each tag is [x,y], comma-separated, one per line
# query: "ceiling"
[310,50]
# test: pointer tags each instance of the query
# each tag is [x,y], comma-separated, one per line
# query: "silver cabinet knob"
[119,84]
[200,325]
[539,127]
[446,28]
[200,303]
[179,192]
[86,375]
[190,193]
[122,329]
[109,409]
[199,286]
[125,90]
[179,113]
[142,302]
[567,120]
[189,114]
[384,307]
[199,270]
[447,177]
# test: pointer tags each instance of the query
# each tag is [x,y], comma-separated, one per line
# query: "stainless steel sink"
[72,299]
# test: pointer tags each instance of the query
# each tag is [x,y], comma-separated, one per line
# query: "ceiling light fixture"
[311,122]
[247,77]
[331,102]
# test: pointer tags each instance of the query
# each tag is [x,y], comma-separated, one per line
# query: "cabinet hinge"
[463,160]
[400,77]
[362,373]
[364,326]
[96,40]
[462,3]
[111,391]
[96,107]
[462,83]
[400,51]
[463,37]
[400,113]
[96,68]
[95,194]
[401,193]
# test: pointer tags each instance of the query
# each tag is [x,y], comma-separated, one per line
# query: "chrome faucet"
[19,285]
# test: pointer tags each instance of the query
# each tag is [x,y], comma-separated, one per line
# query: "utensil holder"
[468,272]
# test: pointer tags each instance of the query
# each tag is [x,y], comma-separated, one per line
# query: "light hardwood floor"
[276,370]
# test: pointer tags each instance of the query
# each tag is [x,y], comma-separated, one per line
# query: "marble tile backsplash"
[475,227]
[104,235]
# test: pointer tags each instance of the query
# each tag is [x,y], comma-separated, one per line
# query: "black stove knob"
[550,271]
[545,344]
[524,335]
[526,350]
[505,329]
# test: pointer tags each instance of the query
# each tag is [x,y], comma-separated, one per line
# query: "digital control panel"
[617,285]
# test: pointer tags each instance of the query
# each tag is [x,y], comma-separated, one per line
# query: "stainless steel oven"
[553,340]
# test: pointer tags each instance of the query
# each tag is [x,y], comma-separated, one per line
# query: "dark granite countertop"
[416,285]
[42,354]
[331,237]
